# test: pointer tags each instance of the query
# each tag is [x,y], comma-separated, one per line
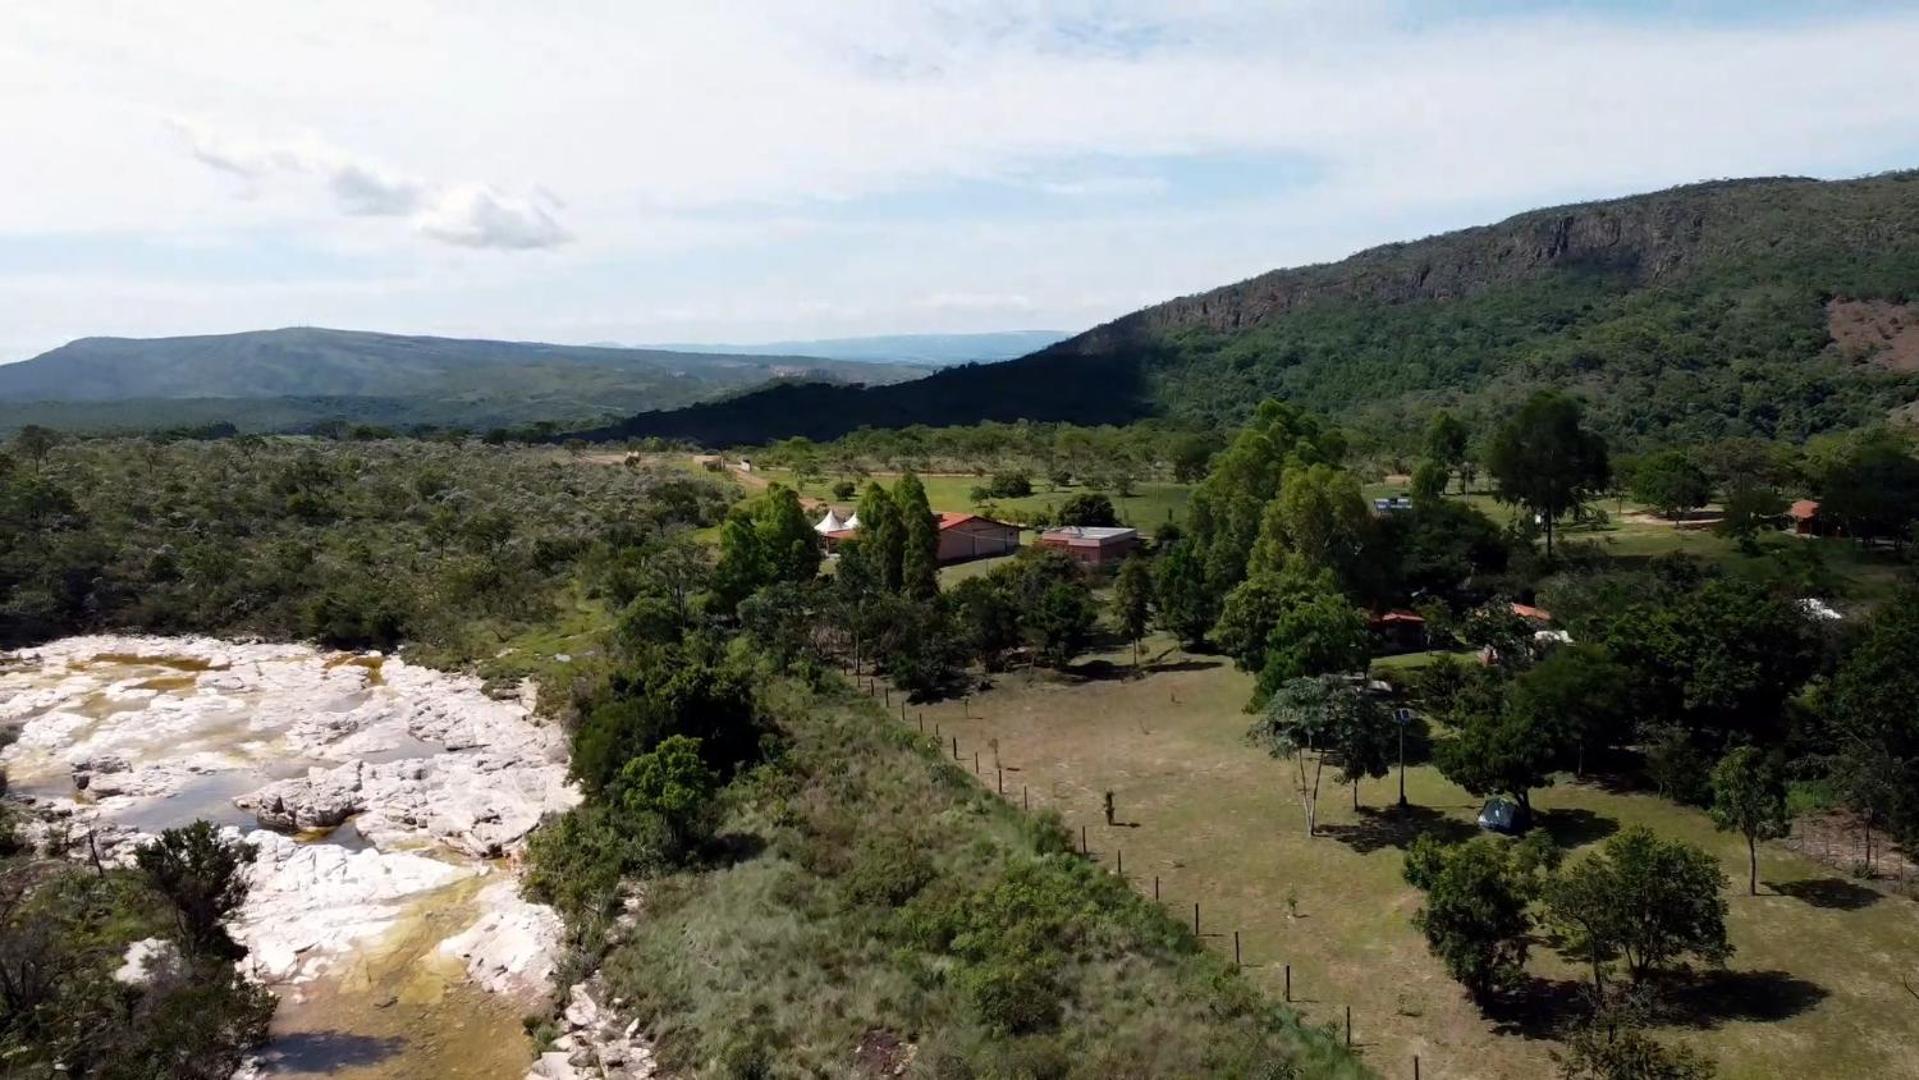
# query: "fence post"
[1289,982]
[1082,839]
[1155,886]
[1349,1025]
[902,710]
[999,775]
[1236,949]
[1415,1067]
[956,748]
[1120,858]
[1025,803]
[976,763]
[889,696]
[922,723]
[1195,918]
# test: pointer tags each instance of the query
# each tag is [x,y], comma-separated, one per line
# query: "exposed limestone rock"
[146,960]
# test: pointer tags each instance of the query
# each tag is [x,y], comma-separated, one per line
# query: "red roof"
[1804,509]
[1527,611]
[1399,618]
[949,519]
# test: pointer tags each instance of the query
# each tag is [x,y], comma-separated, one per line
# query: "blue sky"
[733,171]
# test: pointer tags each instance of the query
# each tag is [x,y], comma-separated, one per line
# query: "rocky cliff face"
[1641,239]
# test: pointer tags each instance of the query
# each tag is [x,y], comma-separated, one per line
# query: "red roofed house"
[970,536]
[1805,517]
[1401,631]
[962,537]
[1090,544]
[1531,613]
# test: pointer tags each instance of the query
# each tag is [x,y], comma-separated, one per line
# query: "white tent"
[853,522]
[831,523]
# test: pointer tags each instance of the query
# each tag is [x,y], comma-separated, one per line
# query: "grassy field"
[1813,990]
[1151,504]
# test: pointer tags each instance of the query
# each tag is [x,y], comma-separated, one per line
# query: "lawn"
[1152,503]
[1813,990]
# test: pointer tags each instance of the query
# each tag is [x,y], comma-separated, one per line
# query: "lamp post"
[1402,717]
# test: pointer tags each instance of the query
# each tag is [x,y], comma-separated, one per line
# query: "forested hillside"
[276,380]
[1774,308]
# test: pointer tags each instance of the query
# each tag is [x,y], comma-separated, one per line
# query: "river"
[384,913]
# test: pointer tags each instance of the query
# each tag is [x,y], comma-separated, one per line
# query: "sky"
[623,170]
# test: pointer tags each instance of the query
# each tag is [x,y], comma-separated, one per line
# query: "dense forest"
[1711,311]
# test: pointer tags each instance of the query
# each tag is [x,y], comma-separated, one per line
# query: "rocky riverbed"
[387,802]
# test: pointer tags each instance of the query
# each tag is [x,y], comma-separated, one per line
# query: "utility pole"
[1402,716]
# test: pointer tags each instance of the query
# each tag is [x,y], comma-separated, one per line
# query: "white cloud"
[720,159]
[468,214]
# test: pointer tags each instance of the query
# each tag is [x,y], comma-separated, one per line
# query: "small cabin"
[1092,545]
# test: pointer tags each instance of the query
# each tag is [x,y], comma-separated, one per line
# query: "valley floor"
[1814,988]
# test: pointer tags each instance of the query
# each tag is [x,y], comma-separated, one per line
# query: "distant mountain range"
[1774,307]
[286,379]
[938,350]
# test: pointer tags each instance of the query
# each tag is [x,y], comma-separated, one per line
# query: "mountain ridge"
[316,373]
[1682,299]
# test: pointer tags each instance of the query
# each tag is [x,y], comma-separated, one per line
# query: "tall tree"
[920,539]
[1363,739]
[1319,517]
[1446,441]
[1297,725]
[1749,797]
[1646,900]
[1186,604]
[1671,482]
[1475,916]
[1133,601]
[1497,749]
[1580,697]
[200,874]
[1545,460]
[883,536]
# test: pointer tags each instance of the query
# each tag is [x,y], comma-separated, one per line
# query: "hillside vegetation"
[271,380]
[1714,310]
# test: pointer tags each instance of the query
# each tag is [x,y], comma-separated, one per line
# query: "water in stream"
[366,988]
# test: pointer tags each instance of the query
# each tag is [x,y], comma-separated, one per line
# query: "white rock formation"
[309,905]
[513,946]
[147,960]
[596,1044]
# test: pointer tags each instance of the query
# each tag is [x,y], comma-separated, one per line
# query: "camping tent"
[831,523]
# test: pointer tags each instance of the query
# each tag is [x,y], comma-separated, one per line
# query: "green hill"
[281,379]
[1770,307]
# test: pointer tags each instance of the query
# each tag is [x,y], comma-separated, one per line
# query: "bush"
[1013,997]
[888,871]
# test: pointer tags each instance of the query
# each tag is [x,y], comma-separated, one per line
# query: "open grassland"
[1152,503]
[1813,990]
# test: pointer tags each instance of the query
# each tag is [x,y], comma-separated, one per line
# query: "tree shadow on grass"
[1396,828]
[1711,998]
[1831,892]
[330,1051]
[1103,670]
[1573,826]
[1540,1009]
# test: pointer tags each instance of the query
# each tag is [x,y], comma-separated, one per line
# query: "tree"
[765,541]
[1088,510]
[1750,507]
[1133,600]
[1671,482]
[1579,696]
[1543,459]
[1191,455]
[1749,797]
[1475,915]
[34,443]
[1871,490]
[986,620]
[1320,517]
[1870,707]
[1363,739]
[1255,606]
[1497,750]
[883,536]
[1607,1048]
[1185,603]
[1647,900]
[1294,728]
[1060,623]
[199,873]
[919,554]
[1429,481]
[672,782]
[1446,441]
[844,489]
[1321,633]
